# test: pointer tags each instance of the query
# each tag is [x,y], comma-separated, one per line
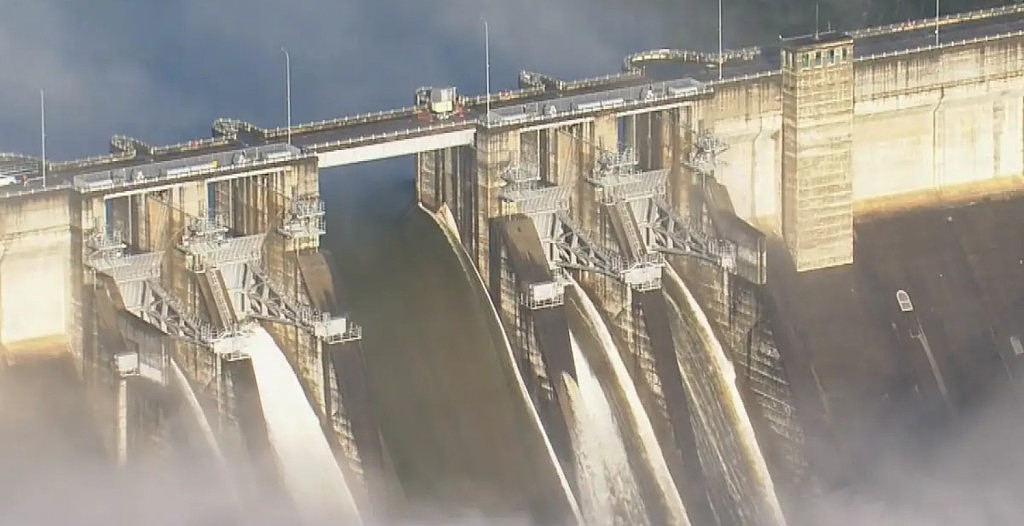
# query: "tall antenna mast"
[487,66]
[42,133]
[721,56]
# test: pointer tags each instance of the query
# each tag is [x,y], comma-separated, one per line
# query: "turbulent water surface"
[304,458]
[741,487]
[609,492]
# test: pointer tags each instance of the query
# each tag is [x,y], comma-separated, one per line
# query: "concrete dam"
[708,289]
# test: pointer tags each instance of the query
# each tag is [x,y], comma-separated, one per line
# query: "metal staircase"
[223,310]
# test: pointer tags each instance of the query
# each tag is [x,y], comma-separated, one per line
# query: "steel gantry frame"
[704,157]
[671,234]
[264,302]
[569,245]
[208,248]
[161,310]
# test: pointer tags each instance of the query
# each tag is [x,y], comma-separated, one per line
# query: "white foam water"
[721,409]
[608,489]
[204,424]
[304,458]
[639,420]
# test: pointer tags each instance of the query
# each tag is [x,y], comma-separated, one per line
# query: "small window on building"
[804,61]
[844,54]
[831,56]
[817,58]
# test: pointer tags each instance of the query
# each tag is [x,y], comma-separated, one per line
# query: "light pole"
[288,91]
[936,22]
[42,134]
[487,67]
[721,57]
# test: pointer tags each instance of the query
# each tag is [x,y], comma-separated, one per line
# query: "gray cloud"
[164,71]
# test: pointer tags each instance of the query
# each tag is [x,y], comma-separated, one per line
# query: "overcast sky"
[162,71]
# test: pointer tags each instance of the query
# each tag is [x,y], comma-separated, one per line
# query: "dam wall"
[39,274]
[830,132]
[747,116]
[943,121]
[144,276]
[938,119]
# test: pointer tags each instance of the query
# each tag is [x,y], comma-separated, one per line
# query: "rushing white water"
[711,379]
[609,493]
[639,420]
[204,424]
[304,458]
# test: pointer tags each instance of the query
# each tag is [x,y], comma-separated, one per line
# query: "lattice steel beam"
[265,302]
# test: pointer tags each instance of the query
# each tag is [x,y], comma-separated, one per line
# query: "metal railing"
[361,118]
[377,137]
[964,42]
[685,55]
[86,162]
[658,95]
[502,96]
[540,80]
[196,144]
[23,192]
[211,168]
[927,23]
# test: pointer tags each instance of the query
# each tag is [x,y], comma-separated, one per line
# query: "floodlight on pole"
[288,91]
[42,135]
[487,68]
[721,56]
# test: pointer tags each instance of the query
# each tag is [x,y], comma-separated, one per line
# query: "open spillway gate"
[617,252]
[192,281]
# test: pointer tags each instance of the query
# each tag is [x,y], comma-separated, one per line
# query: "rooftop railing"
[943,20]
[312,127]
[941,45]
[376,137]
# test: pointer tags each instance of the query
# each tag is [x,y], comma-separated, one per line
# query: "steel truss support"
[266,303]
[162,311]
[572,248]
[671,234]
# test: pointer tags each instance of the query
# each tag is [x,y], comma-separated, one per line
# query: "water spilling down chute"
[304,458]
